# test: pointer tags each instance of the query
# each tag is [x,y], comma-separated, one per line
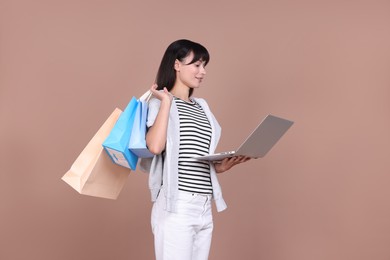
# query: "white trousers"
[186,234]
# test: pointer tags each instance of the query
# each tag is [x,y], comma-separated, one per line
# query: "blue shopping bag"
[117,142]
[137,143]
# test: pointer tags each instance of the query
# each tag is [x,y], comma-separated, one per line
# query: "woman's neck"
[181,92]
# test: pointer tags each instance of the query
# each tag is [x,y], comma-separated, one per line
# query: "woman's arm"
[228,163]
[156,136]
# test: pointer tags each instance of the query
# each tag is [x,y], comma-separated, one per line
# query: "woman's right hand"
[163,96]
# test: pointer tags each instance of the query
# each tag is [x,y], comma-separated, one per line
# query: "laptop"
[259,142]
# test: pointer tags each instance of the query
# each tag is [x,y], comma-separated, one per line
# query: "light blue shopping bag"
[137,142]
[117,143]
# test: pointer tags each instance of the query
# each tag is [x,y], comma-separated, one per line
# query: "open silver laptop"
[259,142]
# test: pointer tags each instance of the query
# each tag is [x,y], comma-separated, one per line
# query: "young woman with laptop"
[180,128]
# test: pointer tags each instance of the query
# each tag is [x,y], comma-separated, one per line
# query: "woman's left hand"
[228,163]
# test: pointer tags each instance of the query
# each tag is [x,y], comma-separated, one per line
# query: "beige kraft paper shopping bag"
[93,173]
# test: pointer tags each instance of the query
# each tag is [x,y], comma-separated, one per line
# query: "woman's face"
[190,75]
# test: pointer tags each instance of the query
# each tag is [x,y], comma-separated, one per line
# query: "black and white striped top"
[195,137]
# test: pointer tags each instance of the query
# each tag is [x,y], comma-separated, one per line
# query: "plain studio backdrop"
[321,193]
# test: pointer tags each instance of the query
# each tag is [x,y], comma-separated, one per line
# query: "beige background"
[321,193]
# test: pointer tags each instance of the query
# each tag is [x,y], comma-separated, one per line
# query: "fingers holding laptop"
[228,163]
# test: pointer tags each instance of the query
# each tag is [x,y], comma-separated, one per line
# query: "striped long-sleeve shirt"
[195,136]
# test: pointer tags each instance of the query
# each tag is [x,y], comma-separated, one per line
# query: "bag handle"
[145,97]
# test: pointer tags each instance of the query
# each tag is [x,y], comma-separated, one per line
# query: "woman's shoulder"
[199,100]
[154,102]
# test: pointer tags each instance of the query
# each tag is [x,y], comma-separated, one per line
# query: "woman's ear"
[177,65]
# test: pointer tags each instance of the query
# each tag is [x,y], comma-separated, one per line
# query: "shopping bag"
[117,143]
[93,173]
[137,142]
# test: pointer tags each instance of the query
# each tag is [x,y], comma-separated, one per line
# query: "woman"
[181,127]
